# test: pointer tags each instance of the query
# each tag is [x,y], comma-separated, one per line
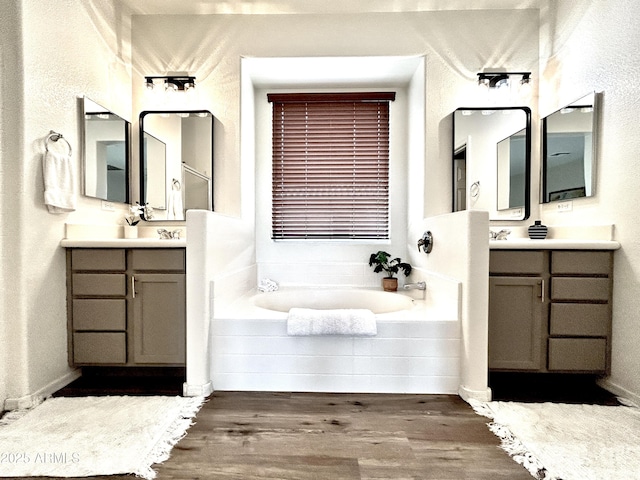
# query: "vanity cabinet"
[550,310]
[517,314]
[126,306]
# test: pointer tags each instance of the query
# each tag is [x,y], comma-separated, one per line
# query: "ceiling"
[265,7]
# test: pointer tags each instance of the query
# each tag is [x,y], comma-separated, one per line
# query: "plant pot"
[130,231]
[390,284]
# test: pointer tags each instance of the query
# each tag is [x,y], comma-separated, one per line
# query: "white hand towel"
[348,321]
[174,209]
[59,182]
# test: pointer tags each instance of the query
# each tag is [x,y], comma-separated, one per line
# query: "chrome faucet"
[415,286]
[501,235]
[167,235]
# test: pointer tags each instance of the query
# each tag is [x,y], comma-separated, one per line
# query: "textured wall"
[593,45]
[48,68]
[11,185]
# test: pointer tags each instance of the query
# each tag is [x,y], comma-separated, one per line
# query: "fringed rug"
[568,442]
[86,436]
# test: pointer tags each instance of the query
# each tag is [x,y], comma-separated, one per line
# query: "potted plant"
[137,212]
[391,266]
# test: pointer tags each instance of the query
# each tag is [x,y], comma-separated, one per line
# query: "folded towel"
[307,321]
[59,182]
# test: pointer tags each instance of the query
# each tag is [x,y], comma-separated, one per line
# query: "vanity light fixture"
[172,83]
[501,79]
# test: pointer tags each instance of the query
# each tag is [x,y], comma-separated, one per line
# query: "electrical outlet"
[566,206]
[108,206]
[516,213]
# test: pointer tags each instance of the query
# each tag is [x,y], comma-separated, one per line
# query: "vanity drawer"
[99,284]
[519,262]
[580,263]
[577,354]
[586,289]
[580,319]
[99,314]
[98,259]
[166,259]
[99,347]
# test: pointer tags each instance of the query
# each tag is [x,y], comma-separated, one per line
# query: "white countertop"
[123,243]
[552,244]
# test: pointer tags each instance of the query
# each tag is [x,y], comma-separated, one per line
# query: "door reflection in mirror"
[511,172]
[176,162]
[568,151]
[492,150]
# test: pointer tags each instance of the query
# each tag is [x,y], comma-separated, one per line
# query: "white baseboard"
[37,397]
[191,390]
[480,395]
[631,397]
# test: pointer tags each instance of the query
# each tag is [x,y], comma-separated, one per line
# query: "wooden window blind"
[330,177]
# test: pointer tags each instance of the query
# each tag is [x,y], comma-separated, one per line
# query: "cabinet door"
[159,319]
[516,323]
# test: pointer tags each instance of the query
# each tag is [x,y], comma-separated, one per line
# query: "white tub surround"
[218,247]
[460,251]
[415,350]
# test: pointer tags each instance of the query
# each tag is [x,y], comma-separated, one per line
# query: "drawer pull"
[133,286]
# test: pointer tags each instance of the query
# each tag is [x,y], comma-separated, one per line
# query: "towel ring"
[175,185]
[54,137]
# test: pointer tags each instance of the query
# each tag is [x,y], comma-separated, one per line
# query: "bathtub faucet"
[415,286]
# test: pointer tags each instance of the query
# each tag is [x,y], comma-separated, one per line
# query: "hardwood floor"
[262,435]
[338,436]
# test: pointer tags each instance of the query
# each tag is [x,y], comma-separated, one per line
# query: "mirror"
[176,162]
[105,153]
[492,161]
[568,151]
[511,154]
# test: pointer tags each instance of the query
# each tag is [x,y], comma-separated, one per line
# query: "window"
[330,177]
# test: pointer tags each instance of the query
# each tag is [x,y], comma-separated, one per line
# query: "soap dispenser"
[537,231]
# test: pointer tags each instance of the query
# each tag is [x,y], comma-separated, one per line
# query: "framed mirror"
[176,162]
[492,161]
[568,151]
[106,153]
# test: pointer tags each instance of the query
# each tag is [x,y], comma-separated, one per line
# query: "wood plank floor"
[261,435]
[249,435]
[339,436]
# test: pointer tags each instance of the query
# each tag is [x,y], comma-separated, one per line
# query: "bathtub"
[416,349]
[331,298]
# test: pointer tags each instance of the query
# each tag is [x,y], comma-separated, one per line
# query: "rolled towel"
[350,321]
[267,285]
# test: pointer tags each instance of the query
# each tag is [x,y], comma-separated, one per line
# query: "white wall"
[591,45]
[219,267]
[46,67]
[461,251]
[457,44]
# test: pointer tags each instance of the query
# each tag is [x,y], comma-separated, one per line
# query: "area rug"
[85,436]
[569,442]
